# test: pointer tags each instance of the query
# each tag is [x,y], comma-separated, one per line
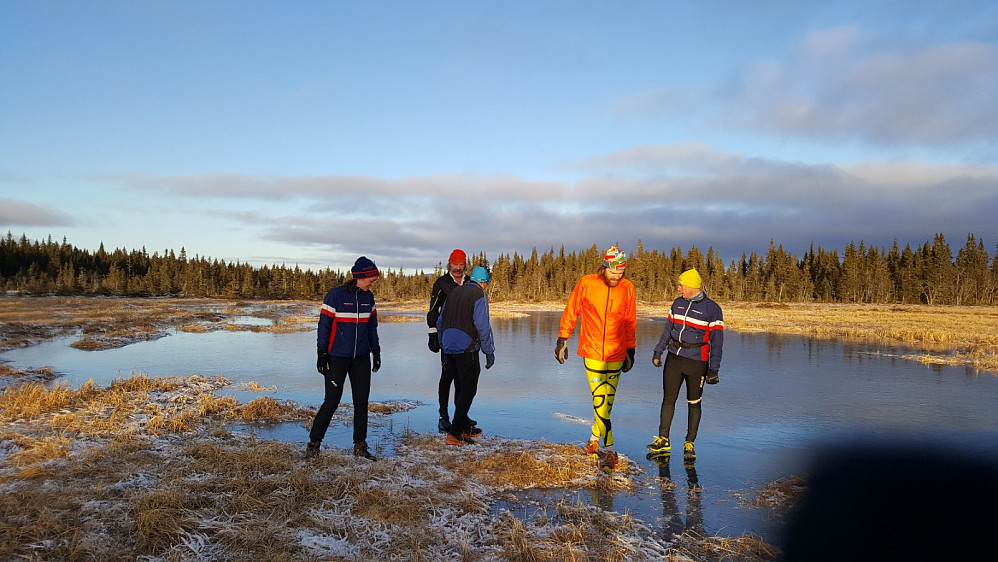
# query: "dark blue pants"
[359,370]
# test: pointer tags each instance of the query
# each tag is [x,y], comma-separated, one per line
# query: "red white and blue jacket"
[695,330]
[348,323]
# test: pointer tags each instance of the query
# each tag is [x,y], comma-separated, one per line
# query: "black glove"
[376,363]
[322,363]
[490,360]
[434,343]
[712,377]
[656,360]
[628,361]
[561,350]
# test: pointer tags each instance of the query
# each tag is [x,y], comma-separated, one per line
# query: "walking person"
[465,329]
[606,303]
[348,345]
[452,279]
[692,338]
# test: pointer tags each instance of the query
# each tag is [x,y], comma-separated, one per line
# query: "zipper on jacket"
[606,312]
[356,325]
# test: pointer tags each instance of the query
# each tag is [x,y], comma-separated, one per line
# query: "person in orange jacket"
[606,303]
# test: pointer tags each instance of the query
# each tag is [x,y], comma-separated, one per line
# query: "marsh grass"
[935,335]
[141,470]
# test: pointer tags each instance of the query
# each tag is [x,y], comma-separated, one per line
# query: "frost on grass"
[157,469]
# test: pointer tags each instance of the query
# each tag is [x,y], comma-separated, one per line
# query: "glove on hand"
[490,360]
[322,363]
[657,360]
[434,343]
[712,377]
[561,350]
[376,363]
[628,361]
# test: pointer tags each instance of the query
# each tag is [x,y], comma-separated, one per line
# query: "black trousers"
[359,370]
[465,368]
[677,370]
[443,389]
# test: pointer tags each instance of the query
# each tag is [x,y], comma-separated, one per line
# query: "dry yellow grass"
[943,335]
[141,469]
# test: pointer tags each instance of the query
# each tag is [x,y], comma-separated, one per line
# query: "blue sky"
[313,132]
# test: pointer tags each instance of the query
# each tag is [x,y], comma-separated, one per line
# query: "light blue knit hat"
[479,275]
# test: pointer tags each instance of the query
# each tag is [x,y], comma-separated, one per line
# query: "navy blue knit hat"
[364,268]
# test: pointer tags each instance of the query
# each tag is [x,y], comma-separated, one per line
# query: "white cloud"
[20,213]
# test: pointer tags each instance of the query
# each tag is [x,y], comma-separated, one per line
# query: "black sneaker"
[443,424]
[360,450]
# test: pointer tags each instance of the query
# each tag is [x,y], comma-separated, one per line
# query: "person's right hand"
[656,360]
[490,360]
[434,343]
[322,363]
[561,350]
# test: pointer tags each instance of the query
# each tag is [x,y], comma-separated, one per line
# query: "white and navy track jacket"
[348,323]
[695,330]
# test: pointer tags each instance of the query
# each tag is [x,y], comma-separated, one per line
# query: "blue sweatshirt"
[463,323]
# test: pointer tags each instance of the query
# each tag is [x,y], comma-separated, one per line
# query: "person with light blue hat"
[464,330]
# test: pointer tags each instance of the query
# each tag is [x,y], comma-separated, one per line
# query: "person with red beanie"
[457,263]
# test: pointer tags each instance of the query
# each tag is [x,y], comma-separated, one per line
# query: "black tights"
[678,369]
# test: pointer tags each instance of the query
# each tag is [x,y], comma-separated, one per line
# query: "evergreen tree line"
[928,274]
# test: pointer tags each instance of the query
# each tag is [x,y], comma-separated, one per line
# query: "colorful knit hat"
[364,268]
[457,256]
[691,279]
[615,259]
[479,275]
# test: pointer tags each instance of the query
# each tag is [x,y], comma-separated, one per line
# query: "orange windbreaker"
[609,318]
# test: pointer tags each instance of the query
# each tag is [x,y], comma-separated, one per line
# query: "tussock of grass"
[695,546]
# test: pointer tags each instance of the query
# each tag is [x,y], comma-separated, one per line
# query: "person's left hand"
[712,377]
[628,361]
[490,360]
[377,363]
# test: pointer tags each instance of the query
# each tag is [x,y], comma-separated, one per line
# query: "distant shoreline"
[947,335]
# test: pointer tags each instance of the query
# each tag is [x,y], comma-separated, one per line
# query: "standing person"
[693,337]
[607,305]
[454,278]
[347,341]
[465,330]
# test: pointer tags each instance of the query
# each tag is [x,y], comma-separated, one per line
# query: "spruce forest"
[928,274]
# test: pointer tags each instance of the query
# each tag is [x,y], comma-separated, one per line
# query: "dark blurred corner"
[896,502]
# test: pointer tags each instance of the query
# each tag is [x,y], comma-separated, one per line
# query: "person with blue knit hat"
[464,330]
[348,345]
[692,340]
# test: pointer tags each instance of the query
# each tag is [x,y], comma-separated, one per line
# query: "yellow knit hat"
[691,279]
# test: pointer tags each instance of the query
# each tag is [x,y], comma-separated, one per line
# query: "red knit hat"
[457,256]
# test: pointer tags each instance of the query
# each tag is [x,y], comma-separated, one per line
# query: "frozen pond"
[780,398]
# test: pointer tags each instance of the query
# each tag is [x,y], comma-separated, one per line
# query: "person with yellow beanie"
[692,338]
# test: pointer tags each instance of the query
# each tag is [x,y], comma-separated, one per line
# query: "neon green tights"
[603,379]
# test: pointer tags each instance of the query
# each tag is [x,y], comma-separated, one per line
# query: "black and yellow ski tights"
[603,379]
